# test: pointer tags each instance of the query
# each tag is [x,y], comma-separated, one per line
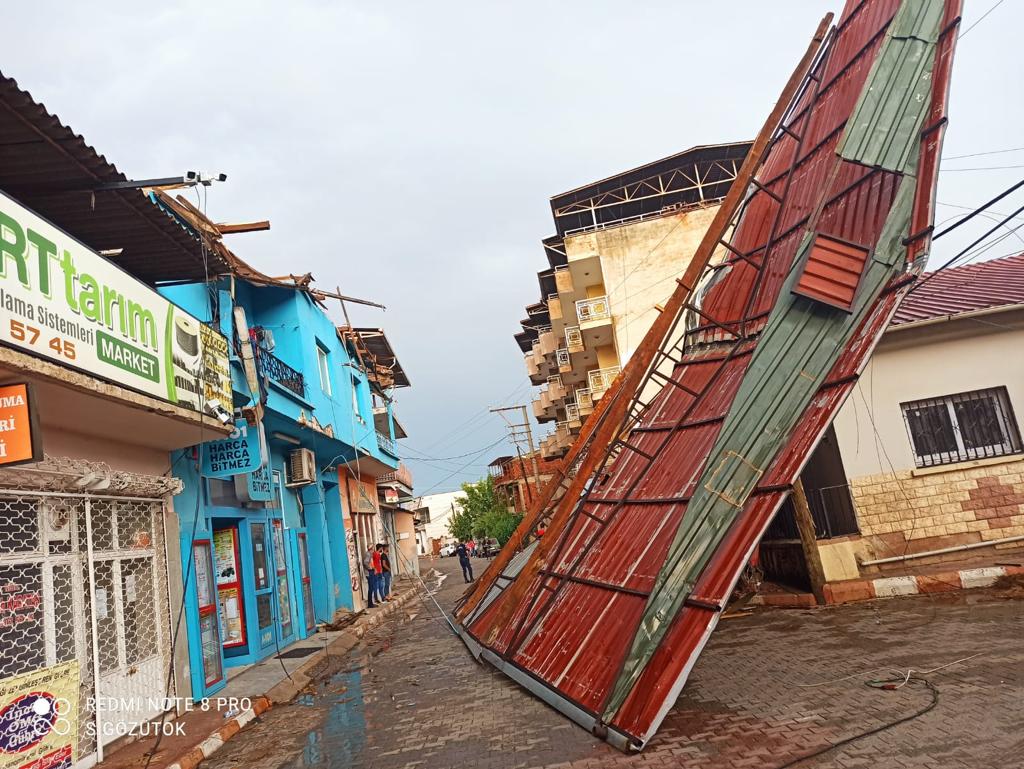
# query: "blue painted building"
[275,552]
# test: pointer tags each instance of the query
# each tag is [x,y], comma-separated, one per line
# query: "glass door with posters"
[230,594]
[209,624]
[284,601]
[263,584]
[308,616]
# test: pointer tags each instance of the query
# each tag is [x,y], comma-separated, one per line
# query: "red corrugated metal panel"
[573,631]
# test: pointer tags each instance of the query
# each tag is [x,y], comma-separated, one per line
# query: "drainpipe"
[954,549]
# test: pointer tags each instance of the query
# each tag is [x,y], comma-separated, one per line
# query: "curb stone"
[286,690]
[852,590]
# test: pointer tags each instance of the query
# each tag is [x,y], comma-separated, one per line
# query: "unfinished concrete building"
[619,245]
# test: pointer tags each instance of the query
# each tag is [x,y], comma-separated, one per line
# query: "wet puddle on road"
[325,726]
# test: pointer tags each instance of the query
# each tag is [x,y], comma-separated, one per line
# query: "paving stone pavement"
[413,697]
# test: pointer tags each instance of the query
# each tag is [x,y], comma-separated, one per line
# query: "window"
[958,428]
[325,370]
[222,493]
[355,400]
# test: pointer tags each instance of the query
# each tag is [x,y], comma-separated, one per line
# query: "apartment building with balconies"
[619,245]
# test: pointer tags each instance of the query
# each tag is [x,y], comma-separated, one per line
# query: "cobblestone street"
[771,687]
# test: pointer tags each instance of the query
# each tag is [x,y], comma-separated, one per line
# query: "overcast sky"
[406,151]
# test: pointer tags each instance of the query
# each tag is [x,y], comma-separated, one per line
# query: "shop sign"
[362,496]
[256,486]
[241,452]
[39,718]
[64,301]
[20,437]
[390,495]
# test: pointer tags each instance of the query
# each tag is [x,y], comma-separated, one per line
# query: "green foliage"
[482,513]
[500,524]
[460,523]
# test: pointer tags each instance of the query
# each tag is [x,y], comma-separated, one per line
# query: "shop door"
[83,583]
[308,614]
[129,596]
[284,595]
[263,584]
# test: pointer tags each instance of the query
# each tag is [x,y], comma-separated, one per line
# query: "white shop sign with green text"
[62,300]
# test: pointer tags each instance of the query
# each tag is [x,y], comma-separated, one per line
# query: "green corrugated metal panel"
[919,19]
[887,120]
[798,348]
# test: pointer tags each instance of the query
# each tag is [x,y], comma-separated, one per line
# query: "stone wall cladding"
[903,512]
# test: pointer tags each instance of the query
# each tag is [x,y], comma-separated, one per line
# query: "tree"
[460,523]
[482,513]
[500,524]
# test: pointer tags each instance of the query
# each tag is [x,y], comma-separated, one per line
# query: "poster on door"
[39,718]
[229,588]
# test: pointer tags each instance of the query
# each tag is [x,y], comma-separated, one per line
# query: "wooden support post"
[809,543]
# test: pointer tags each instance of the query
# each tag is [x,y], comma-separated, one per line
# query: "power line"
[456,472]
[986,13]
[449,437]
[980,154]
[963,252]
[427,458]
[979,168]
[981,208]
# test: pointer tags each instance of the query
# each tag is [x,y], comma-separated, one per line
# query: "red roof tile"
[969,288]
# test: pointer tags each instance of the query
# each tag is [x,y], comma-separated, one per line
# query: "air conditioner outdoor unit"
[301,468]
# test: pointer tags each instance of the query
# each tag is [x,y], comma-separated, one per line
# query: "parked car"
[488,548]
[447,550]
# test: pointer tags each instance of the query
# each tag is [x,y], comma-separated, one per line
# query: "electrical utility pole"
[520,433]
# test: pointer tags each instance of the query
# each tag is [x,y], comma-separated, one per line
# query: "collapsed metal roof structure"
[659,504]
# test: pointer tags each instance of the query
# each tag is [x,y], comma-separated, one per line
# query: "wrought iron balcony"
[273,367]
[386,443]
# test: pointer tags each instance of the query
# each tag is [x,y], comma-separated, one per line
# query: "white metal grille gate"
[74,568]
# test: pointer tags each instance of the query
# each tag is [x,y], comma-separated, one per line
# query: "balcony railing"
[593,309]
[600,379]
[387,443]
[402,475]
[562,356]
[573,338]
[572,413]
[273,367]
[584,400]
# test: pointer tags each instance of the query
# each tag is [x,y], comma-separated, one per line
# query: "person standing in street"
[371,577]
[467,567]
[385,562]
[378,570]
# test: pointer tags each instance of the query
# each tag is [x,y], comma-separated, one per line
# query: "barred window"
[958,428]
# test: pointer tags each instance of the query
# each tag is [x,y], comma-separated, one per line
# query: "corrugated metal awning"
[52,170]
